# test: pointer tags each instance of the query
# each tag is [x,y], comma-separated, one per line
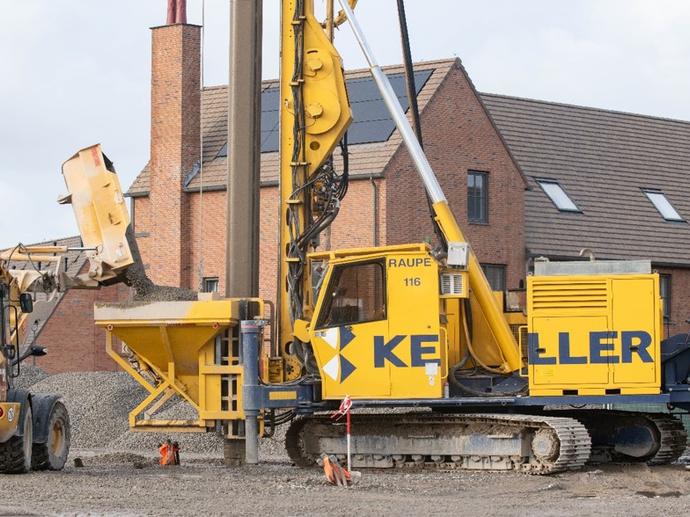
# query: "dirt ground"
[130,484]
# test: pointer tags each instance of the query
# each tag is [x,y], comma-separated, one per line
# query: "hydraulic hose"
[475,357]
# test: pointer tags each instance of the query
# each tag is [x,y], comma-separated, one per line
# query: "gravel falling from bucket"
[144,288]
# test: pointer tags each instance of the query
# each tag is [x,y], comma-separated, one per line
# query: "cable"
[320,193]
[480,366]
[411,89]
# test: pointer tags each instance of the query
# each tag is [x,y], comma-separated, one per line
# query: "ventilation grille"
[520,335]
[569,295]
[452,284]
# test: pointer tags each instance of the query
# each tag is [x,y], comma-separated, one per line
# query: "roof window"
[558,196]
[662,204]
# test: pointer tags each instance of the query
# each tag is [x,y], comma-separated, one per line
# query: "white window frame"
[209,281]
[560,198]
[663,205]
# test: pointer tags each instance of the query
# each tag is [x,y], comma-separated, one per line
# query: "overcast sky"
[77,72]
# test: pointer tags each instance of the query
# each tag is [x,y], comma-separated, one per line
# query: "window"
[665,289]
[356,294]
[496,275]
[210,284]
[477,197]
[663,205]
[558,196]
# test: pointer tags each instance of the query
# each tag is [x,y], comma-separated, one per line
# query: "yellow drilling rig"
[404,326]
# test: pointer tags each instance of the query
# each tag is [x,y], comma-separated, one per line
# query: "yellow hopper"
[184,348]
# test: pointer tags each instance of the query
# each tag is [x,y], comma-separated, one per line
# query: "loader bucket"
[180,342]
[99,207]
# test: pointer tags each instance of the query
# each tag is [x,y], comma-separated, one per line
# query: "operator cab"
[376,330]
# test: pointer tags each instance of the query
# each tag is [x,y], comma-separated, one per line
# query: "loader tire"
[52,455]
[15,453]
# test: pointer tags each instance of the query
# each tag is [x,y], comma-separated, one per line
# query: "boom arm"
[314,116]
[449,225]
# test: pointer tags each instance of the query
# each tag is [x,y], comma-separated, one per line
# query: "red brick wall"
[268,261]
[175,119]
[354,226]
[74,342]
[206,238]
[459,136]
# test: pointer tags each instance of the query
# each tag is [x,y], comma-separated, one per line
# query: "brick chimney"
[175,127]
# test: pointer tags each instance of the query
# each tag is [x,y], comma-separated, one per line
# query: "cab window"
[355,294]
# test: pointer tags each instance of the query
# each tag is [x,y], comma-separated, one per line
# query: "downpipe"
[250,332]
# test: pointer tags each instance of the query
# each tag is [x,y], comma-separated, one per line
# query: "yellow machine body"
[594,334]
[383,328]
[184,348]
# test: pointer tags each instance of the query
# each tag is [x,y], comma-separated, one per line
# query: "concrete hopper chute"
[180,348]
[101,212]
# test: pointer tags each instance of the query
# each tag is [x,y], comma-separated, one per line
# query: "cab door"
[414,323]
[350,317]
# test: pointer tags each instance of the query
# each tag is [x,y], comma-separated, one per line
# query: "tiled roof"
[365,159]
[75,259]
[602,159]
[44,308]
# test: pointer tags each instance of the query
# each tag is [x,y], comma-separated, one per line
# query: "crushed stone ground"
[203,487]
[120,475]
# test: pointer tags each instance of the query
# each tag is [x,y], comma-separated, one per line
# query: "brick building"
[179,207]
[525,179]
[612,184]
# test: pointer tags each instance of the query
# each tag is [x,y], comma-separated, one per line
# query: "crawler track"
[673,437]
[632,437]
[533,444]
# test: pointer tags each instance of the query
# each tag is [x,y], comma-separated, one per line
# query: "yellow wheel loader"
[35,428]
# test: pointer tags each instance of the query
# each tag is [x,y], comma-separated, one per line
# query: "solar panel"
[371,121]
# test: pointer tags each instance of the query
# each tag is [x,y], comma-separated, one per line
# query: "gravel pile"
[29,376]
[200,443]
[274,447]
[99,404]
